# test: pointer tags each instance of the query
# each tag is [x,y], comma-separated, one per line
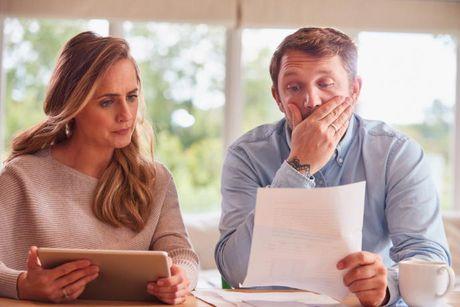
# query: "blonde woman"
[78,180]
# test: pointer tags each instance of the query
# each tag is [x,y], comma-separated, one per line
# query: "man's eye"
[132,98]
[295,88]
[106,103]
[326,84]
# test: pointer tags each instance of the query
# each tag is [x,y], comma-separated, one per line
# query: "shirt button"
[340,160]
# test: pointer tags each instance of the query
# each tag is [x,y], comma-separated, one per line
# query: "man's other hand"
[366,277]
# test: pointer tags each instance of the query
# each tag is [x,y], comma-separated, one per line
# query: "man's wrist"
[295,163]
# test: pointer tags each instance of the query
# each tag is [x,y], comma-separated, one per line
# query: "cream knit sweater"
[48,204]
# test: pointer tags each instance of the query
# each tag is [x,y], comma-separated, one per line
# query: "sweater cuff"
[188,261]
[8,282]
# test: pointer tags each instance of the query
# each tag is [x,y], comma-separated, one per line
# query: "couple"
[90,142]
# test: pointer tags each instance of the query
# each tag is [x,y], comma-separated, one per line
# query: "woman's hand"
[61,284]
[172,290]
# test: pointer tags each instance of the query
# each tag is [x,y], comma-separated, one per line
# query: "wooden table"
[452,299]
[190,302]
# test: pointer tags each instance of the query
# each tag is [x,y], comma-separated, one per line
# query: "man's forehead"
[294,60]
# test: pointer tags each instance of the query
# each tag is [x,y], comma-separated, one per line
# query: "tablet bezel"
[123,274]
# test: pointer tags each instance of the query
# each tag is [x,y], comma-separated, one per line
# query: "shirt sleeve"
[11,196]
[171,236]
[412,211]
[239,188]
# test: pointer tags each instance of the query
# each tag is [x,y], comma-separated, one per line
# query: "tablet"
[123,274]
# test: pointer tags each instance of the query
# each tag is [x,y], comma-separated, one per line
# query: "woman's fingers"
[78,286]
[76,275]
[68,268]
[33,263]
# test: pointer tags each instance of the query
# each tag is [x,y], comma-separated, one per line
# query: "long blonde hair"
[124,193]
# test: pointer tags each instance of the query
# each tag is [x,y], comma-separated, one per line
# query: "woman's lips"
[123,131]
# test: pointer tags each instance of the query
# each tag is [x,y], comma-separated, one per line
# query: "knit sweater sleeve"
[171,235]
[12,197]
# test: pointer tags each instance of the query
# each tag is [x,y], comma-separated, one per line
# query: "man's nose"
[311,100]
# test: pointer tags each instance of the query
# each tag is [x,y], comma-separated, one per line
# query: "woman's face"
[109,118]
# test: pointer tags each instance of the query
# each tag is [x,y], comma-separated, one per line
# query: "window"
[258,47]
[409,82]
[31,50]
[182,67]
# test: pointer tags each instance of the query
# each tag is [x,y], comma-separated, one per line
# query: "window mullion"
[456,156]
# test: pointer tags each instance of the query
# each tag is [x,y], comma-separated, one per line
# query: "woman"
[79,180]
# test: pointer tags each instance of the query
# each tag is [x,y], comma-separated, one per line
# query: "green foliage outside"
[178,64]
[193,154]
[434,134]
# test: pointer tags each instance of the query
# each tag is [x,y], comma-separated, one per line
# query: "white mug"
[424,283]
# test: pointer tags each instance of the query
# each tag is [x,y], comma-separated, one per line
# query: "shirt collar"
[342,147]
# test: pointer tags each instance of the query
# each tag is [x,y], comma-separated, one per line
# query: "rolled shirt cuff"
[288,177]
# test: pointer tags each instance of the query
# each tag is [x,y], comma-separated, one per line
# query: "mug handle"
[451,283]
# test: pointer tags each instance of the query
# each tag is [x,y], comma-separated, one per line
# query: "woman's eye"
[106,103]
[132,98]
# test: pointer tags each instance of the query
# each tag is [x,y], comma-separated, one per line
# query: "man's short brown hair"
[317,42]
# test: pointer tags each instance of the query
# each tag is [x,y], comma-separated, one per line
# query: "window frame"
[234,104]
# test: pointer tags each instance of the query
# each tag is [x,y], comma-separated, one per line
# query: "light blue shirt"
[402,217]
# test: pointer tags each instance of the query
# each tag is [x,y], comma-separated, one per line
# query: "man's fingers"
[375,283]
[359,273]
[339,114]
[327,107]
[343,117]
[355,259]
[371,297]
[294,115]
[69,267]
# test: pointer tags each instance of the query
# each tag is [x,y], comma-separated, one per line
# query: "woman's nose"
[124,113]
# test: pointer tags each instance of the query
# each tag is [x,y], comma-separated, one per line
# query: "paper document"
[300,235]
[228,298]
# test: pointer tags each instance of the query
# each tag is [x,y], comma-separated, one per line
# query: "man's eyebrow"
[323,71]
[116,95]
[326,72]
[290,73]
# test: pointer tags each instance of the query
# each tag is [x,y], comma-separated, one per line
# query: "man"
[320,143]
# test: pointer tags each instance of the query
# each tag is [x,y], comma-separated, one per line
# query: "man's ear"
[356,89]
[276,96]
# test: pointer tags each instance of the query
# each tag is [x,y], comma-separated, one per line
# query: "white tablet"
[123,274]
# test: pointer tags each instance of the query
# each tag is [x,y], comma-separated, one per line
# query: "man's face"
[307,82]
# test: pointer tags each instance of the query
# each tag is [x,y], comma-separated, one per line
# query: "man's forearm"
[232,252]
